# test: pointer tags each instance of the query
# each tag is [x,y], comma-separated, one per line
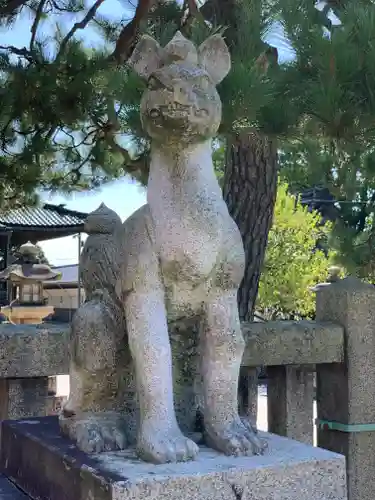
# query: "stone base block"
[10,492]
[49,467]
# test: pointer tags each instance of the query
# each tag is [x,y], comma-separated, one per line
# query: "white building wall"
[64,298]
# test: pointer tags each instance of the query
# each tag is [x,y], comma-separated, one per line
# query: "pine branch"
[34,27]
[65,9]
[108,135]
[137,168]
[193,8]
[129,33]
[208,10]
[24,52]
[80,25]
[193,12]
[266,58]
[11,6]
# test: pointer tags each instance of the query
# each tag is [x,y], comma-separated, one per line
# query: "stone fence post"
[291,402]
[24,397]
[346,391]
[29,355]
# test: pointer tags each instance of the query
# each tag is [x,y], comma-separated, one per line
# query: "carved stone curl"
[181,256]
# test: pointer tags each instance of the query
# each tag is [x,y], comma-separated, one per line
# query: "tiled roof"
[47,216]
[69,273]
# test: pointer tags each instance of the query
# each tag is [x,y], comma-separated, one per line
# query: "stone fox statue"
[181,256]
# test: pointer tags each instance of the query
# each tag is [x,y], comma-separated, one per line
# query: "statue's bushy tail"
[101,257]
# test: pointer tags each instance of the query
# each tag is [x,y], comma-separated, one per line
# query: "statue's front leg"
[160,439]
[222,347]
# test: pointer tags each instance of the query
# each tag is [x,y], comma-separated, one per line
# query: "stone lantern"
[26,276]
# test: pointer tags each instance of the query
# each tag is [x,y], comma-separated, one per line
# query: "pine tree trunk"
[250,185]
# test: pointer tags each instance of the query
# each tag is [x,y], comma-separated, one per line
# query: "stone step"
[10,492]
[287,471]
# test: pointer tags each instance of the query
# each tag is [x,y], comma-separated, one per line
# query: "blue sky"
[124,196]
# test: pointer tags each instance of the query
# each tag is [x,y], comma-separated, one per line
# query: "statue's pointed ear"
[146,57]
[214,56]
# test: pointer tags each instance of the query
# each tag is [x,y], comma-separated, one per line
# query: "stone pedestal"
[27,315]
[10,492]
[288,471]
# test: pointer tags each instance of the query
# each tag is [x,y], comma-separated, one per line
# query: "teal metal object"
[337,426]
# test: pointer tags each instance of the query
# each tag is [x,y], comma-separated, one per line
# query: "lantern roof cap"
[30,272]
[29,249]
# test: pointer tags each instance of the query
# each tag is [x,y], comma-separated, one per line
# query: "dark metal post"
[8,285]
[79,268]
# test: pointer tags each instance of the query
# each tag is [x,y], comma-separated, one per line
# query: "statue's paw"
[97,436]
[247,423]
[95,433]
[165,446]
[236,438]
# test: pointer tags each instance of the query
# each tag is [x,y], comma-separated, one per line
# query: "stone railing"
[338,350]
[291,351]
[29,354]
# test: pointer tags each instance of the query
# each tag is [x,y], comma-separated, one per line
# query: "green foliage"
[348,173]
[334,91]
[355,246]
[56,115]
[335,146]
[292,264]
[218,157]
[254,94]
[42,256]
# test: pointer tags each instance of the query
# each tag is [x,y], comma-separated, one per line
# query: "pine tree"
[323,96]
[250,174]
[62,104]
[65,112]
[335,148]
[319,109]
[69,114]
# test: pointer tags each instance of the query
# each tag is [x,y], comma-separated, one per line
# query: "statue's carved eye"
[154,84]
[206,82]
[203,84]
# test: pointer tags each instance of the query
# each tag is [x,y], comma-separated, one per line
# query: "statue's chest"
[190,222]
[194,268]
[188,249]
